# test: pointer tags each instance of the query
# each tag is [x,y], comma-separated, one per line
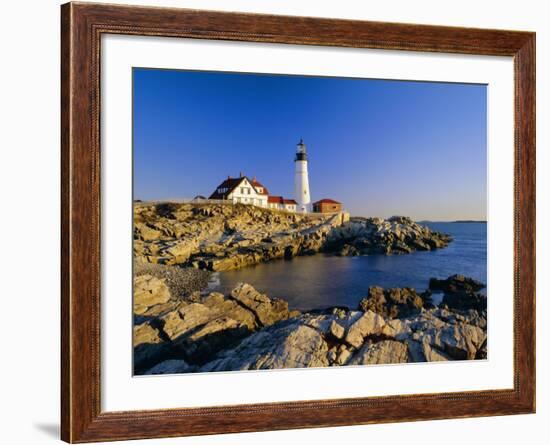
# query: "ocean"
[320,281]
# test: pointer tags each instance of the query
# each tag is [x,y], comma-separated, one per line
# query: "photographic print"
[288,221]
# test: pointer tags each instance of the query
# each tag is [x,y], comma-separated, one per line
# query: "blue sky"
[381,147]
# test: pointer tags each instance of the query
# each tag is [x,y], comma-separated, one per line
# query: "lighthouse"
[301,180]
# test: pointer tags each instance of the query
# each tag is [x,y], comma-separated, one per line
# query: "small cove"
[319,281]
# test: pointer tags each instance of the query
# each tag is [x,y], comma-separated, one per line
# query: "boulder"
[288,344]
[145,233]
[397,235]
[369,324]
[227,307]
[201,344]
[456,283]
[146,334]
[348,250]
[184,319]
[266,310]
[181,250]
[394,302]
[149,291]
[461,342]
[382,352]
[336,330]
[464,300]
[343,356]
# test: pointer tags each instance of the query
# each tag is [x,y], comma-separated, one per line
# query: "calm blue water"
[320,281]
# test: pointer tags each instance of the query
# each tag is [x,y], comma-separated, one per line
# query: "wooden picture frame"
[82,25]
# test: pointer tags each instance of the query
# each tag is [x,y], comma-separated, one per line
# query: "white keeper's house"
[243,190]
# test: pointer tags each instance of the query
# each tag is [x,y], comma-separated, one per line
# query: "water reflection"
[321,280]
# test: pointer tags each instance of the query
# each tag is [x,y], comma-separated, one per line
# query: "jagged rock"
[336,330]
[202,343]
[401,220]
[460,293]
[267,310]
[149,347]
[369,324]
[397,329]
[464,300]
[181,250]
[222,305]
[248,330]
[343,355]
[456,283]
[422,351]
[394,302]
[184,319]
[146,334]
[220,237]
[197,330]
[288,344]
[145,233]
[397,235]
[461,342]
[386,351]
[149,291]
[348,250]
[482,351]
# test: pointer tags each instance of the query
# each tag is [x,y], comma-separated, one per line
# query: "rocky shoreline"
[246,329]
[180,328]
[219,237]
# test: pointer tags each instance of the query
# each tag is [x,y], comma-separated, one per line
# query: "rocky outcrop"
[219,237]
[149,291]
[397,235]
[196,331]
[456,283]
[395,302]
[248,330]
[309,341]
[461,293]
[287,345]
[382,352]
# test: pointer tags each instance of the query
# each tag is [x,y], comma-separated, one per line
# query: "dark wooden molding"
[81,27]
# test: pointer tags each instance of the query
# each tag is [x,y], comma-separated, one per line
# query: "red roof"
[280,200]
[275,199]
[256,184]
[327,201]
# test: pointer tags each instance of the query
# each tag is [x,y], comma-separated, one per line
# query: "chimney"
[254,178]
[240,174]
[228,176]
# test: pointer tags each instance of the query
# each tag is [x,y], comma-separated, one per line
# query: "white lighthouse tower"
[301,180]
